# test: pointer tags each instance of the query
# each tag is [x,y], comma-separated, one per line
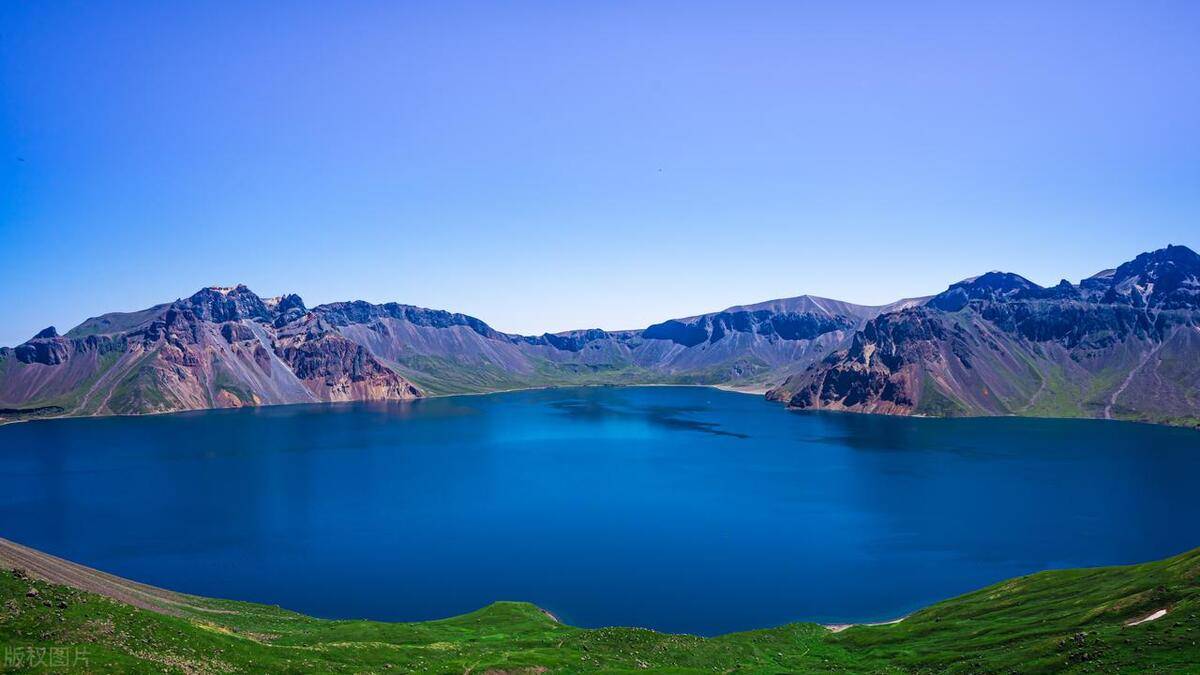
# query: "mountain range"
[1124,343]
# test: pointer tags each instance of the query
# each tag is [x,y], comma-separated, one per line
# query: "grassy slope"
[116,322]
[69,401]
[439,375]
[436,375]
[1052,621]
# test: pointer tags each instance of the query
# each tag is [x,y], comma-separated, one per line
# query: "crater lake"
[683,509]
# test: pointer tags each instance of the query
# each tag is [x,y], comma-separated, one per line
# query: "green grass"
[437,375]
[1100,387]
[1054,621]
[115,322]
[936,403]
[1059,397]
[1072,620]
[69,401]
[223,382]
[138,390]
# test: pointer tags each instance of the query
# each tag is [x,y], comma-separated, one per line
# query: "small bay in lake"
[676,508]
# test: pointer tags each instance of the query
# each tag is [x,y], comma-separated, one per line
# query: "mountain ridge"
[1116,344]
[225,346]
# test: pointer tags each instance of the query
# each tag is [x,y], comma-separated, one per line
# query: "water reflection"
[592,409]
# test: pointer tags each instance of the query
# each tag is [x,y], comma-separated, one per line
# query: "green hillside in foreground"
[1071,620]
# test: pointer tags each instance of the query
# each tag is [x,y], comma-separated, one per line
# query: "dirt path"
[839,627]
[1033,399]
[58,571]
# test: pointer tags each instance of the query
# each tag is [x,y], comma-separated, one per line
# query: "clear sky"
[546,166]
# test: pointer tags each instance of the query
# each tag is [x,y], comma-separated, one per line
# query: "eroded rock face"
[1072,323]
[359,312]
[50,349]
[288,308]
[1168,278]
[571,341]
[336,369]
[875,372]
[713,327]
[208,350]
[262,358]
[236,332]
[46,351]
[220,304]
[1000,344]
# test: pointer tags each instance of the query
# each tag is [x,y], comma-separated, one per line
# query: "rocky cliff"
[1124,343]
[221,347]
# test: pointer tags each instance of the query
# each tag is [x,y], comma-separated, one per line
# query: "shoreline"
[28,564]
[53,569]
[921,416]
[752,391]
[732,389]
[722,387]
[839,627]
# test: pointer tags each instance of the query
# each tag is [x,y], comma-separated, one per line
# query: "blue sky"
[546,166]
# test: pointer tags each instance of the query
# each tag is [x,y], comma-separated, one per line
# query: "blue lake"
[676,508]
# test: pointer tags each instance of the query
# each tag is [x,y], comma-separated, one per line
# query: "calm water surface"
[681,509]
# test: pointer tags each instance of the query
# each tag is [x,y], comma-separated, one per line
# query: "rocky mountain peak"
[571,341]
[287,308]
[1065,290]
[46,348]
[1003,282]
[289,302]
[1168,278]
[990,286]
[226,303]
[1159,263]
